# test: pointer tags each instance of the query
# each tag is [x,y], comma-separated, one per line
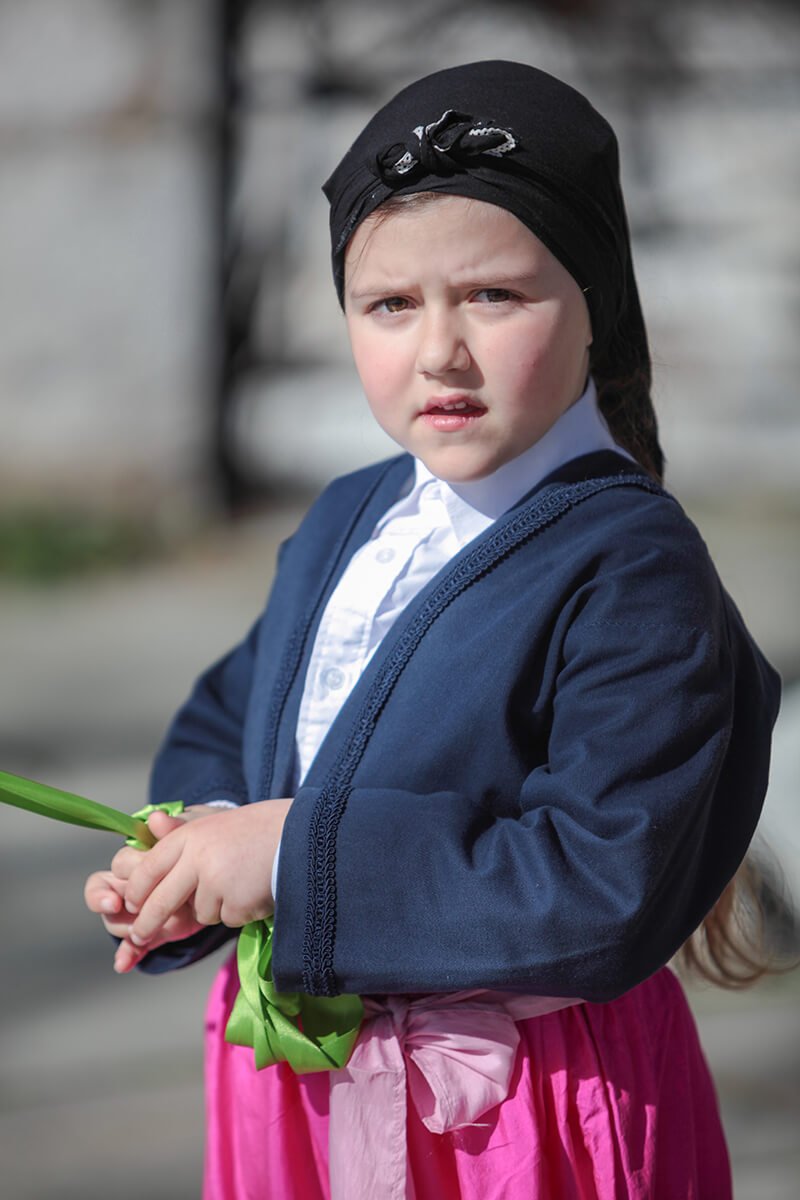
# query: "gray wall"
[105,251]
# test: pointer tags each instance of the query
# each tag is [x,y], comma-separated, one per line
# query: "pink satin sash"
[452,1054]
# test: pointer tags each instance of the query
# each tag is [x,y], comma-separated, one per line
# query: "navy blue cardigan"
[545,777]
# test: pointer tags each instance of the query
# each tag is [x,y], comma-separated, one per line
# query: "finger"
[180,925]
[168,895]
[150,869]
[125,861]
[127,957]
[207,905]
[161,823]
[103,892]
[234,916]
[118,925]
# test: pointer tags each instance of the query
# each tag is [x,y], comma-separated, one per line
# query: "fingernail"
[109,905]
[131,907]
[137,941]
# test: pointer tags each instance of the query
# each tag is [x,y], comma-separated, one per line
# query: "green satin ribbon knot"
[310,1033]
[172,808]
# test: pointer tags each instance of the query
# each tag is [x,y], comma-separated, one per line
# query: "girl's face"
[470,337]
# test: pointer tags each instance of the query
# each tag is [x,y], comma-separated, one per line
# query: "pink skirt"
[607,1102]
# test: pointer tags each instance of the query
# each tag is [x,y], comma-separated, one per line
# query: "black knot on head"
[442,148]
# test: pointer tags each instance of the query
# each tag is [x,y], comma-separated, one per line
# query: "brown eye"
[392,304]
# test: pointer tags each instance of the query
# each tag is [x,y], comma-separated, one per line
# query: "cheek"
[380,363]
[552,349]
[516,362]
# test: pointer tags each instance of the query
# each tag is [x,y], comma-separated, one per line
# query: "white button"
[333,678]
[385,556]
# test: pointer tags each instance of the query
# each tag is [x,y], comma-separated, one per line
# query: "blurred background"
[175,387]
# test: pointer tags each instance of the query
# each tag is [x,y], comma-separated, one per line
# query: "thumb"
[161,823]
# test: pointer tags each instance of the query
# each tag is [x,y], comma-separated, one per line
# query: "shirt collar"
[473,506]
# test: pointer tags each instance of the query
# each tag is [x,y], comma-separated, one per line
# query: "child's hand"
[104,893]
[221,869]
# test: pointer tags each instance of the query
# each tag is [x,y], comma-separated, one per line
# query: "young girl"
[500,740]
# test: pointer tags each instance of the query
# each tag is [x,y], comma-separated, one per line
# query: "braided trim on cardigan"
[319,939]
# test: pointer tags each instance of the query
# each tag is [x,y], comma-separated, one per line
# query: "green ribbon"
[310,1033]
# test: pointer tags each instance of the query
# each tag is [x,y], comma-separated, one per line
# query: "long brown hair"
[627,407]
[750,932]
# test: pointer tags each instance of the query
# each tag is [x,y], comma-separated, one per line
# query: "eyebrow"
[485,280]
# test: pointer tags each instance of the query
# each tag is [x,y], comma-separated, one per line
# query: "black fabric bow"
[442,148]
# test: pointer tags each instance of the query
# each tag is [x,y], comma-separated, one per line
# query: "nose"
[441,346]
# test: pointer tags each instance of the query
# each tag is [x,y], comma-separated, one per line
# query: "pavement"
[101,1076]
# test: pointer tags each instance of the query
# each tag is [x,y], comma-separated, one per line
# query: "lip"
[441,404]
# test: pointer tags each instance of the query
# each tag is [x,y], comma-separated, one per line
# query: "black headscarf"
[511,135]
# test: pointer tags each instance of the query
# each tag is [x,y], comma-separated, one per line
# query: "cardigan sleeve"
[622,840]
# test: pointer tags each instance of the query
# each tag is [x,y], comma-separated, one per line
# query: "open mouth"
[464,409]
[454,408]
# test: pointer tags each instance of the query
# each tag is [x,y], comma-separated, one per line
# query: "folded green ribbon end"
[173,808]
[310,1033]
